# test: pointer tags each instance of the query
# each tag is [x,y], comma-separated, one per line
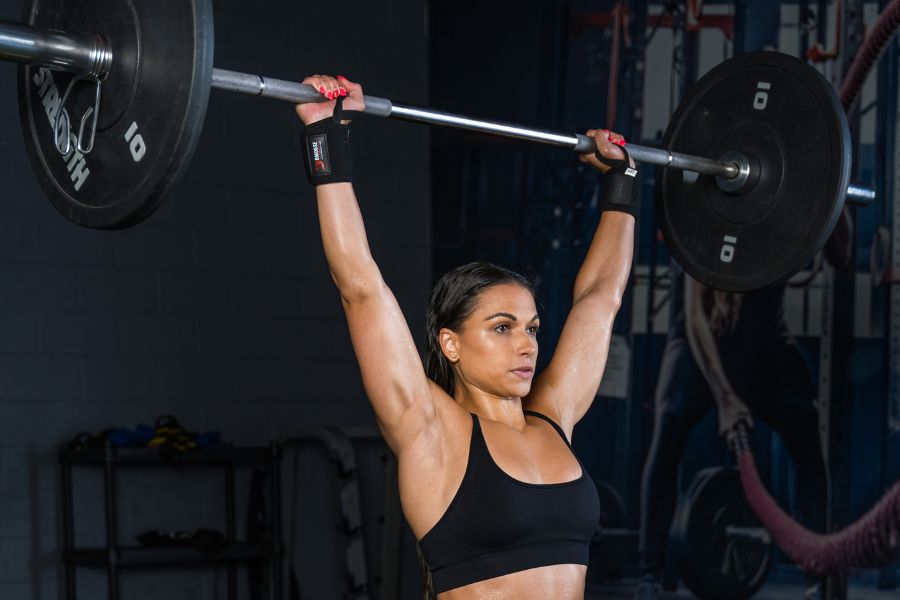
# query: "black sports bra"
[496,525]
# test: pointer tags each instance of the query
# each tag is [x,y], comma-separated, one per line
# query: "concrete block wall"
[219,309]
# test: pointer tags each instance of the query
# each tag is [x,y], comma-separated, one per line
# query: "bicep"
[571,379]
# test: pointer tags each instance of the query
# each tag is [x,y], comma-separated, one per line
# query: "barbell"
[753,175]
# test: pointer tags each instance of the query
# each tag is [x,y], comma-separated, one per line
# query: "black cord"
[669,8]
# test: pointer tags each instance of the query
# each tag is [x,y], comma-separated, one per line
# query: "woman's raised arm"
[568,385]
[391,368]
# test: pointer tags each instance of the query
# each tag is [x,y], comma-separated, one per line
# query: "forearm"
[706,355]
[344,239]
[702,341]
[607,265]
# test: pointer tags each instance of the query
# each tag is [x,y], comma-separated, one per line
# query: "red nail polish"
[330,96]
[343,92]
[322,88]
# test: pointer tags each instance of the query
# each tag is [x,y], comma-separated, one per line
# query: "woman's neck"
[506,410]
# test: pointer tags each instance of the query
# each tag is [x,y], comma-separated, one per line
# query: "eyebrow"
[509,316]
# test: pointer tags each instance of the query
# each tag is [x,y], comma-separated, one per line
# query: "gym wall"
[219,309]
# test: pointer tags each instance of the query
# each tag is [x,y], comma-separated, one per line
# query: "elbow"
[610,296]
[607,300]
[358,284]
[609,286]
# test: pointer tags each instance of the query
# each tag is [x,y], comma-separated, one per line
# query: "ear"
[449,344]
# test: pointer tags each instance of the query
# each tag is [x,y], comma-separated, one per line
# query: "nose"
[527,345]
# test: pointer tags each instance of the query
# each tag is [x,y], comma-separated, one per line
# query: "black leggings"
[683,399]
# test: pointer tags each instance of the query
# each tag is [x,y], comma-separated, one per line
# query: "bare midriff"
[560,582]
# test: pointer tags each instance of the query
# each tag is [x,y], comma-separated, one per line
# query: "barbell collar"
[88,55]
[748,173]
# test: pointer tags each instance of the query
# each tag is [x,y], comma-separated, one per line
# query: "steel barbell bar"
[298,93]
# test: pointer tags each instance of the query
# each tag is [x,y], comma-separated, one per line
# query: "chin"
[520,391]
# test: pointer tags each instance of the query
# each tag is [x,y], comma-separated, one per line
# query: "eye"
[502,328]
[533,329]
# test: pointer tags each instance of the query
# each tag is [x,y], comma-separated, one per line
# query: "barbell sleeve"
[89,55]
[859,194]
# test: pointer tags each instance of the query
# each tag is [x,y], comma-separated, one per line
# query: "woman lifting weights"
[489,484]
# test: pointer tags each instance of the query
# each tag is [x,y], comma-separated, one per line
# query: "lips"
[524,372]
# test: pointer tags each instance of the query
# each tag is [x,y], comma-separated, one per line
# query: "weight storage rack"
[115,556]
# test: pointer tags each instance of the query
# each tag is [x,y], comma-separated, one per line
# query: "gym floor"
[775,591]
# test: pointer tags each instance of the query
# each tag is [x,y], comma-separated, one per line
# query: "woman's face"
[496,348]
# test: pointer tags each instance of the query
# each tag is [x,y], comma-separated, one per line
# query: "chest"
[537,456]
[529,498]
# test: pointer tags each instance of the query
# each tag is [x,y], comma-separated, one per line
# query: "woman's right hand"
[609,144]
[732,412]
[331,88]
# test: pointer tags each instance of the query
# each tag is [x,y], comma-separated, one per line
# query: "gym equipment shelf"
[140,555]
[205,456]
[114,556]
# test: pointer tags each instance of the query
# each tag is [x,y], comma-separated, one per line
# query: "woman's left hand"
[608,144]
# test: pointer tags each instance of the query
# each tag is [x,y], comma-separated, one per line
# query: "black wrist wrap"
[326,149]
[618,183]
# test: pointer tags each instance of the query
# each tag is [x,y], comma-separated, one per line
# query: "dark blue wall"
[219,309]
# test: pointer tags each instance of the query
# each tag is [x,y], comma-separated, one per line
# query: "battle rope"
[868,54]
[871,541]
[874,539]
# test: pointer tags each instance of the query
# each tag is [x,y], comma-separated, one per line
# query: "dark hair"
[453,300]
[427,582]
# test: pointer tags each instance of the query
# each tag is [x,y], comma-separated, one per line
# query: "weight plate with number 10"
[786,119]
